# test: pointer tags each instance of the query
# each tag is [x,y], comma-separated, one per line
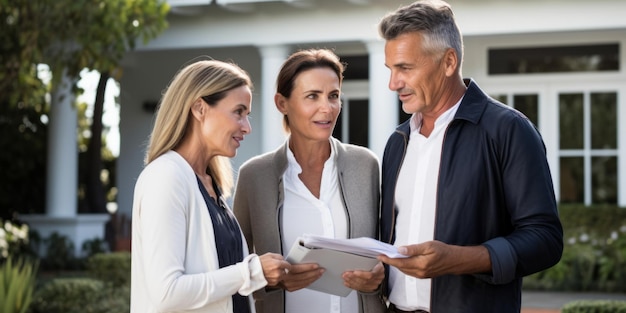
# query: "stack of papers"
[364,246]
[338,256]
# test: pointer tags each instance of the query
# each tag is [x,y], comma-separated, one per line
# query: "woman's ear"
[198,109]
[281,103]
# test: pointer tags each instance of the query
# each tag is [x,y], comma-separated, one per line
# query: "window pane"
[402,116]
[587,58]
[571,121]
[359,115]
[604,120]
[604,179]
[572,180]
[357,66]
[501,97]
[337,132]
[529,105]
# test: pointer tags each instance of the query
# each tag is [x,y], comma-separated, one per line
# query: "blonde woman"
[188,251]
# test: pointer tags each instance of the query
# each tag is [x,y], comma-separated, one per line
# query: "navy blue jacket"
[495,190]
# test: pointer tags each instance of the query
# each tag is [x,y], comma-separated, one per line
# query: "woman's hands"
[292,277]
[275,268]
[301,275]
[363,280]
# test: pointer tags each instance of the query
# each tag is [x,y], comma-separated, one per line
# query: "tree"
[68,36]
[130,21]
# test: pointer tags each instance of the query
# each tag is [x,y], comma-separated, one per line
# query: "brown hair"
[301,61]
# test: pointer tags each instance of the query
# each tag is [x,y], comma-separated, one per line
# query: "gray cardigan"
[259,199]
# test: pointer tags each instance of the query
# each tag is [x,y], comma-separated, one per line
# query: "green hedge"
[595,306]
[594,254]
[113,268]
[106,290]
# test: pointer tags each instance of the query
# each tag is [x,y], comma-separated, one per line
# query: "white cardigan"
[175,266]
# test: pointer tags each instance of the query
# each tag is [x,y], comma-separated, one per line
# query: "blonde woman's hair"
[207,79]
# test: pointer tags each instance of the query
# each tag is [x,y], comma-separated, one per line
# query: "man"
[466,190]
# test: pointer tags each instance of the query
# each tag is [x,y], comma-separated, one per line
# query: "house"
[561,62]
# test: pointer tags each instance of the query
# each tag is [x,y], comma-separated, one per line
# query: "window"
[352,123]
[557,59]
[588,147]
[528,104]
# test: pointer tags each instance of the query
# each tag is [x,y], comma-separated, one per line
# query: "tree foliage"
[70,35]
[67,35]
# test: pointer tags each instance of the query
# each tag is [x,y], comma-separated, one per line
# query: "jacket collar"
[471,107]
[473,104]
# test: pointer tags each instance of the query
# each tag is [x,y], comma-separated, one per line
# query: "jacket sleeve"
[165,201]
[536,242]
[241,206]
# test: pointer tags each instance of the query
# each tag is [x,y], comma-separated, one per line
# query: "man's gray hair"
[433,19]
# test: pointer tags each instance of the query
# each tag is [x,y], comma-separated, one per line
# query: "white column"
[383,102]
[621,147]
[62,179]
[549,129]
[272,57]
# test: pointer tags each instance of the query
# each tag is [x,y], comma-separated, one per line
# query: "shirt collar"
[295,167]
[443,119]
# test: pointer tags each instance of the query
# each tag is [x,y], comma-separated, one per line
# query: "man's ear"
[198,109]
[450,62]
[281,103]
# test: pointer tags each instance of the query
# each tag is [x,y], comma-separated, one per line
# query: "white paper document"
[337,256]
[362,246]
[334,262]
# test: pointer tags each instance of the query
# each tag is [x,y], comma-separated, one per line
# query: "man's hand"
[435,258]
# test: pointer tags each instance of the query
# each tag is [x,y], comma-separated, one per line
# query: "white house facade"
[561,62]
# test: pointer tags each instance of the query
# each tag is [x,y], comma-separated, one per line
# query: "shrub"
[80,295]
[71,295]
[113,268]
[594,254]
[59,253]
[17,282]
[13,239]
[94,246]
[595,306]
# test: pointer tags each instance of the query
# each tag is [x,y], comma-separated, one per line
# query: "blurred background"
[80,81]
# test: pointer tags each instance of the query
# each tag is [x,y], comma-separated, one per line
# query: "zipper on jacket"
[393,203]
[345,204]
[443,141]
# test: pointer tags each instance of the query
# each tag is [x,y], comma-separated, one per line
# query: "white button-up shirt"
[303,213]
[416,199]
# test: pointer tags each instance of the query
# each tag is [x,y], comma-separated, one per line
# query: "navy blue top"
[494,189]
[227,238]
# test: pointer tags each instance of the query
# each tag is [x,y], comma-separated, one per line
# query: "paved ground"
[552,302]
